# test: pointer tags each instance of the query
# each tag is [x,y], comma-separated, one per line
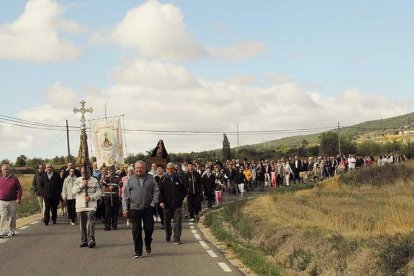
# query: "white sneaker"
[12,233]
[72,223]
[191,220]
[127,222]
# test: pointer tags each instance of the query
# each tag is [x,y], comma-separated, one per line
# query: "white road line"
[197,236]
[192,227]
[225,267]
[191,223]
[212,254]
[24,227]
[204,245]
[35,222]
[194,231]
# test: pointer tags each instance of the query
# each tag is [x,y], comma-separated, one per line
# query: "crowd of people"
[162,194]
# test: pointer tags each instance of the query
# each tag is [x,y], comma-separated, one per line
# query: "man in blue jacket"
[172,193]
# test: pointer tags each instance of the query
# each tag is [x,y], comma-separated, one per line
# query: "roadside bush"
[24,170]
[378,175]
[398,252]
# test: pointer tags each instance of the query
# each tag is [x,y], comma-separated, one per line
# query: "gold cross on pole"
[82,110]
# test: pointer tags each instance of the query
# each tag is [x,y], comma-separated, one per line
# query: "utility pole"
[67,139]
[238,144]
[339,140]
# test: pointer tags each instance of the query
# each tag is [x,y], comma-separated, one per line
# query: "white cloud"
[242,80]
[70,26]
[274,78]
[155,74]
[157,31]
[243,50]
[34,36]
[60,101]
[209,106]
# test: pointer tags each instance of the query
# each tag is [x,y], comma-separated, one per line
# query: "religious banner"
[107,138]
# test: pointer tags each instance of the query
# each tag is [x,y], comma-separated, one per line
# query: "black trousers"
[100,209]
[51,205]
[177,215]
[160,213]
[111,212]
[70,206]
[194,205]
[210,198]
[137,217]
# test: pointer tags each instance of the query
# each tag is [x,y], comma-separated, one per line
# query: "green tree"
[132,158]
[5,161]
[369,148]
[34,162]
[21,161]
[329,143]
[226,148]
[408,150]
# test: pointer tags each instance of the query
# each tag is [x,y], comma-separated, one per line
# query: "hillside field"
[358,224]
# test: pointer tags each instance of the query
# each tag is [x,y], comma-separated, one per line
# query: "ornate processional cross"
[82,110]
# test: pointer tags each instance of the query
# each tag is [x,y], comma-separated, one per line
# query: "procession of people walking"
[146,197]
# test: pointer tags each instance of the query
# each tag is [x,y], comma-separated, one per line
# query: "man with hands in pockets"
[138,202]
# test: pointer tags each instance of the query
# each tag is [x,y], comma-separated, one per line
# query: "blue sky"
[325,47]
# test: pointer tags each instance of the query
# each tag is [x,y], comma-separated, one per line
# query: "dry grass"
[29,204]
[336,229]
[350,211]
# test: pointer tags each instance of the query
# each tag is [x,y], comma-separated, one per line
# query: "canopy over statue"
[158,156]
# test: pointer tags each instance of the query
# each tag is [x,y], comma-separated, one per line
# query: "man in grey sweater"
[141,195]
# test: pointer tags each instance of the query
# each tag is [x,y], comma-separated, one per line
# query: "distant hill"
[359,132]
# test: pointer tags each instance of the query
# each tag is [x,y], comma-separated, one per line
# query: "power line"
[53,127]
[28,126]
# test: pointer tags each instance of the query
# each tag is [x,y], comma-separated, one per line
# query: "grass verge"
[29,204]
[241,228]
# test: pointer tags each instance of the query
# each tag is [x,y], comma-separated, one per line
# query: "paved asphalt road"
[54,250]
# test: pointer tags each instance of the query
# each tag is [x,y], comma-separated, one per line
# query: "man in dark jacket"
[172,194]
[195,191]
[37,179]
[296,168]
[208,181]
[51,187]
[110,187]
[67,170]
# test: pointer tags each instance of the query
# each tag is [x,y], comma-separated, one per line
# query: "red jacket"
[10,188]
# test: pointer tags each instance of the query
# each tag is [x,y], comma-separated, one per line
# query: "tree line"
[328,146]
